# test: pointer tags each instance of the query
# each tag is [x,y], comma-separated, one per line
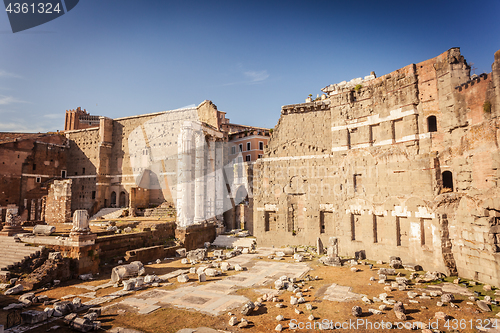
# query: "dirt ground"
[464,318]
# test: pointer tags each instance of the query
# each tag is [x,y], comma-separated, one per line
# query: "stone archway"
[241,195]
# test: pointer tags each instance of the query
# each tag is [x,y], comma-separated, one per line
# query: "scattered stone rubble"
[68,310]
[135,268]
[213,266]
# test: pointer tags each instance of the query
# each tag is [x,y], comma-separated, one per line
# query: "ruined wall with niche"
[29,162]
[394,180]
[57,203]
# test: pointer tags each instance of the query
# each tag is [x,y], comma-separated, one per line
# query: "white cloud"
[6,100]
[52,115]
[251,77]
[256,76]
[21,127]
[7,74]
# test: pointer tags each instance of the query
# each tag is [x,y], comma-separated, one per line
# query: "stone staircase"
[14,253]
[108,213]
[164,210]
[232,241]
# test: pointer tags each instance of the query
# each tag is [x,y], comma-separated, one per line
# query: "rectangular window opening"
[353,228]
[398,231]
[322,227]
[270,221]
[422,232]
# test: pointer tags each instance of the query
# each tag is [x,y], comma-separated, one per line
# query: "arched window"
[447,178]
[431,124]
[113,199]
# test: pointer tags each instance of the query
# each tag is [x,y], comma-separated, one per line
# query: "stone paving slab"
[210,303]
[153,294]
[241,259]
[173,274]
[199,330]
[219,287]
[217,297]
[122,330]
[336,293]
[107,298]
[149,309]
[91,294]
[232,241]
[451,288]
[271,292]
[144,306]
[94,288]
[148,301]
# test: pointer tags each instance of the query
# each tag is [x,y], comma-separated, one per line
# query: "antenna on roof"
[473,69]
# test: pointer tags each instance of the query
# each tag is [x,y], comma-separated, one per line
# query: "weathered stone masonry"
[405,164]
[29,163]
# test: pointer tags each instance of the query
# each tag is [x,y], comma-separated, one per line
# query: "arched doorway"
[123,199]
[113,199]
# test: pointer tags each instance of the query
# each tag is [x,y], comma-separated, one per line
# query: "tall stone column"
[220,183]
[184,175]
[199,185]
[210,194]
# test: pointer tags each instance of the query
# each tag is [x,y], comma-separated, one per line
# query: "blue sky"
[121,58]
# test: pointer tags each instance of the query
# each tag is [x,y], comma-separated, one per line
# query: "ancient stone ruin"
[403,164]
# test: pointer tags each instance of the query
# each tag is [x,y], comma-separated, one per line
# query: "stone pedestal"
[80,220]
[12,223]
[82,239]
[80,233]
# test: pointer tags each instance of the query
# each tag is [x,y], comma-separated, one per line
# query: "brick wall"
[364,167]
